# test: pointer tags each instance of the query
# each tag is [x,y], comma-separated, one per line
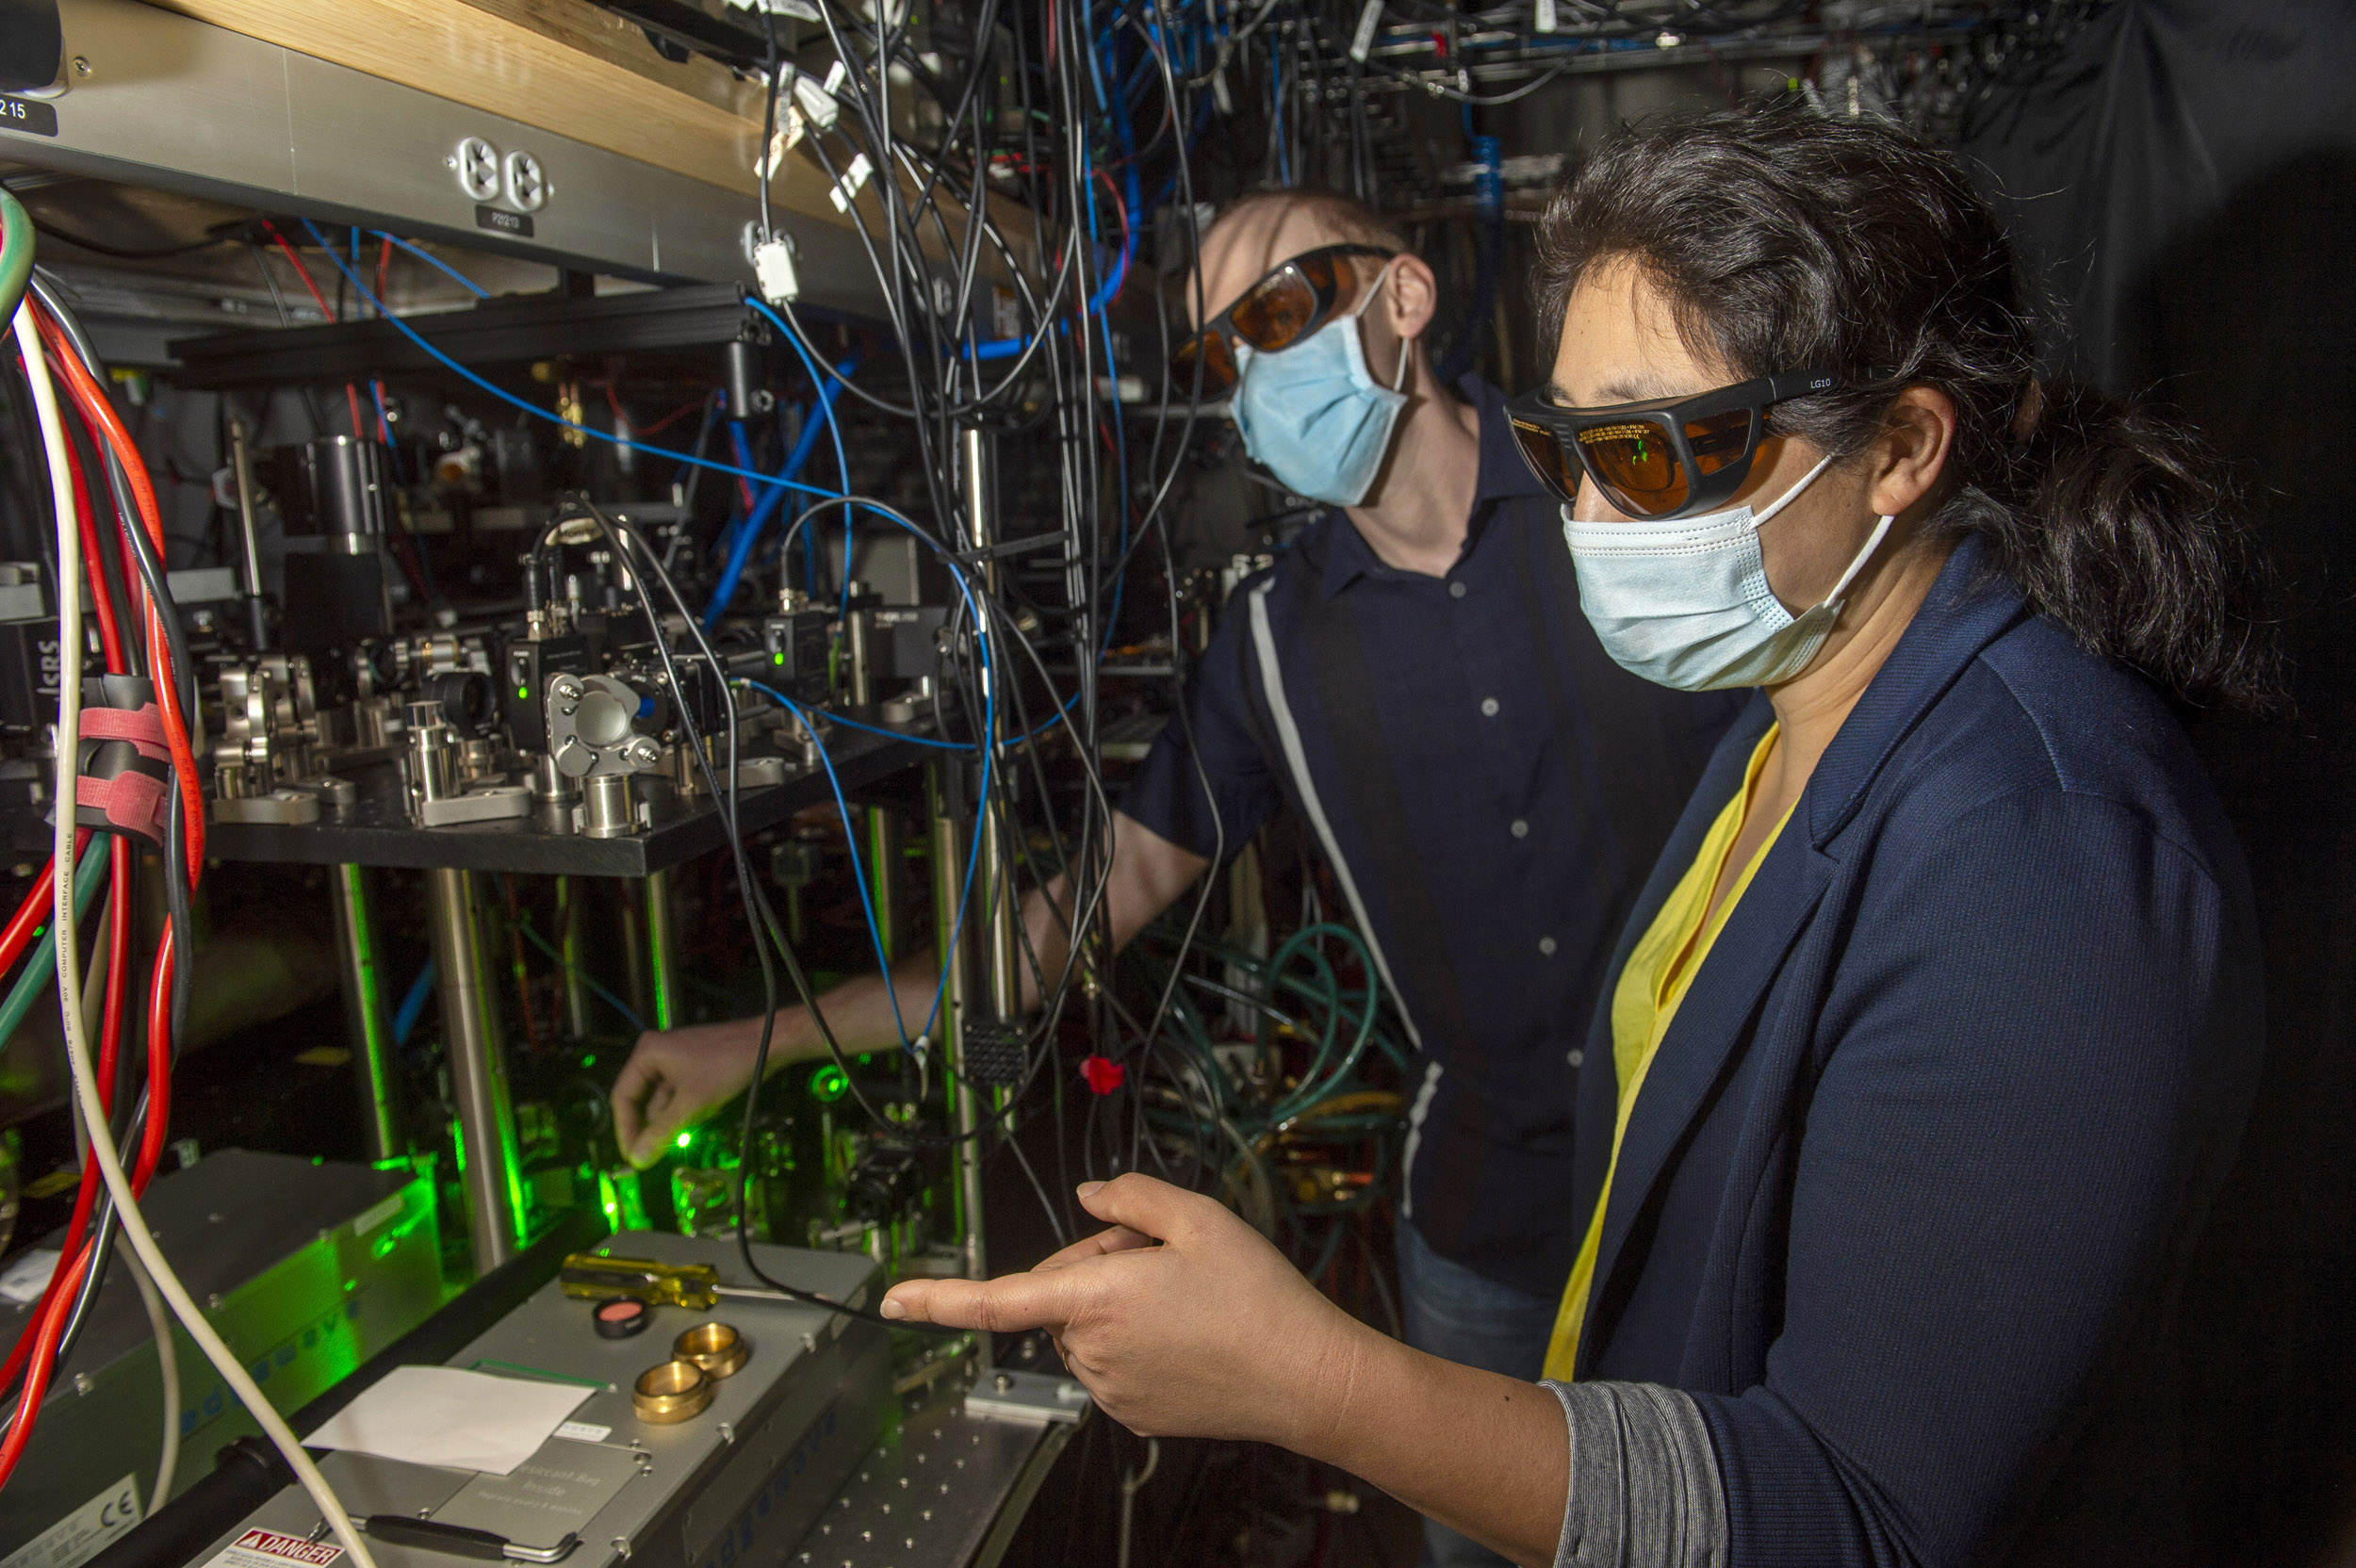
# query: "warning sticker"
[389,1209]
[22,1280]
[268,1549]
[80,1535]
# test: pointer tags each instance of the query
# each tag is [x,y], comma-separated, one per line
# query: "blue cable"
[990,719]
[1112,367]
[972,855]
[740,547]
[413,1003]
[1052,719]
[430,259]
[826,394]
[629,1015]
[534,408]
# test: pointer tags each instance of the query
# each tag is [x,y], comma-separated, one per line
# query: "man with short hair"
[1414,680]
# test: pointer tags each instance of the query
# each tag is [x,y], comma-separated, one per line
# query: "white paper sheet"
[443,1415]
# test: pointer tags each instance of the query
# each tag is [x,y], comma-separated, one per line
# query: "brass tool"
[674,1391]
[717,1347]
[587,1277]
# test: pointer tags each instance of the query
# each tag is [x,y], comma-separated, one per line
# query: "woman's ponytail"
[2118,526]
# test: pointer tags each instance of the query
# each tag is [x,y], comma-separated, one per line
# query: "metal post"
[661,955]
[478,1069]
[955,940]
[364,1023]
[242,466]
[569,891]
[978,452]
[637,985]
[886,839]
[857,636]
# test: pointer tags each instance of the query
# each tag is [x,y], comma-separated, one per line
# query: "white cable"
[166,1366]
[1131,1482]
[102,1141]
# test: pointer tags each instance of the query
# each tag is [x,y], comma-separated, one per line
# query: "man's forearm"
[861,1012]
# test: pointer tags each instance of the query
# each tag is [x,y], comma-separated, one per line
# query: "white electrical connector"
[791,130]
[854,180]
[93,1114]
[1545,21]
[816,103]
[774,269]
[1370,18]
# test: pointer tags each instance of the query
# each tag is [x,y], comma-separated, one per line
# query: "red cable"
[86,1197]
[95,409]
[118,966]
[43,1342]
[301,271]
[31,914]
[109,633]
[100,414]
[159,1064]
[351,394]
[667,420]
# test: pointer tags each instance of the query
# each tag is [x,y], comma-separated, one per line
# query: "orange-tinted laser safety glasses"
[1293,299]
[1663,458]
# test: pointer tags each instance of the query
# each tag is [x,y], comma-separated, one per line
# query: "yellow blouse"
[1660,970]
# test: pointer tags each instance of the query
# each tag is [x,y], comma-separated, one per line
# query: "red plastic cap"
[1103,1076]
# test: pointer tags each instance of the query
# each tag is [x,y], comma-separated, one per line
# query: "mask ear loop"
[1759,519]
[1857,563]
[1398,376]
[1881,532]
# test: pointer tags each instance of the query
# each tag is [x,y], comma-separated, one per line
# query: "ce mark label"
[29,114]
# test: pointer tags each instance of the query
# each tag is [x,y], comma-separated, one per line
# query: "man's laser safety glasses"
[1293,299]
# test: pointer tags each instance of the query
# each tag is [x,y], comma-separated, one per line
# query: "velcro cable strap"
[124,785]
[143,728]
[128,803]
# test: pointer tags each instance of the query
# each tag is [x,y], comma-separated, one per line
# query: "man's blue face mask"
[1313,415]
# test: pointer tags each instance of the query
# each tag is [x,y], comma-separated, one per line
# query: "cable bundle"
[52,349]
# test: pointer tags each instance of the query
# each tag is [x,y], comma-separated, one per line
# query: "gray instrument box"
[746,1477]
[306,1268]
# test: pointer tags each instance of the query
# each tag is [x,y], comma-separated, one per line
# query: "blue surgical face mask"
[1313,415]
[1685,603]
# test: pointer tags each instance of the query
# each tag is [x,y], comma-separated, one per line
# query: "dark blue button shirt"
[1492,788]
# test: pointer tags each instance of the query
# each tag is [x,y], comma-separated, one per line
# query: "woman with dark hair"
[1933,1031]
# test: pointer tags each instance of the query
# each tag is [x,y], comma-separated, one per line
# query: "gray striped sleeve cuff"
[1644,1490]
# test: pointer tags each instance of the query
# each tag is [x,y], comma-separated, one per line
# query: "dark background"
[2183,182]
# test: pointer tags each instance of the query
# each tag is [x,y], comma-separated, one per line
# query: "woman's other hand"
[1182,1321]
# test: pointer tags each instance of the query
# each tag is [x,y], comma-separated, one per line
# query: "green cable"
[16,253]
[41,966]
[1309,1090]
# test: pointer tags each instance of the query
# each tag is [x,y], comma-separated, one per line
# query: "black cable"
[619,536]
[181,669]
[120,252]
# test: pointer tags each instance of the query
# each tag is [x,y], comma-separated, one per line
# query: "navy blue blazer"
[1908,1189]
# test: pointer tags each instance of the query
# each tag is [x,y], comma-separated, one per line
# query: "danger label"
[268,1549]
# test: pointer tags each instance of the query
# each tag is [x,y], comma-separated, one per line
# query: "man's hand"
[1211,1333]
[678,1077]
